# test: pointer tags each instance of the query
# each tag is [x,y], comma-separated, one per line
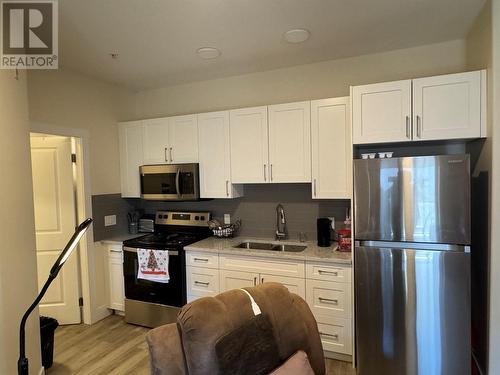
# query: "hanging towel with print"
[153,265]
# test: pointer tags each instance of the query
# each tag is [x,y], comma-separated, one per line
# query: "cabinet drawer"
[202,282]
[202,260]
[336,337]
[115,252]
[293,284]
[279,267]
[328,300]
[324,272]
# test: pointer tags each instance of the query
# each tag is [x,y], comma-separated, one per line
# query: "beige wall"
[312,81]
[66,99]
[18,280]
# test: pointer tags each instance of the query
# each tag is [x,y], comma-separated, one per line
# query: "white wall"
[18,282]
[67,99]
[311,81]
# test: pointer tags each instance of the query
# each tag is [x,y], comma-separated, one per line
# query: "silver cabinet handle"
[178,183]
[227,188]
[262,280]
[314,187]
[116,251]
[166,156]
[335,336]
[255,281]
[328,300]
[419,127]
[408,134]
[201,283]
[200,260]
[265,173]
[271,171]
[171,158]
[328,272]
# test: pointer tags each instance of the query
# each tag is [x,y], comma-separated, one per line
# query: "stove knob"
[202,218]
[197,218]
[160,216]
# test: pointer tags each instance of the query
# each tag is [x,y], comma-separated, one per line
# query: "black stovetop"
[164,240]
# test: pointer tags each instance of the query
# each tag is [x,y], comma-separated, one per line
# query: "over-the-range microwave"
[170,182]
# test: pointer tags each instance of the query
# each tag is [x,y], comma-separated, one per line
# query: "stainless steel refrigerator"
[412,265]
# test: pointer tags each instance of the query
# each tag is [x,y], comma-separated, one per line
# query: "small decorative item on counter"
[344,235]
[133,222]
[224,230]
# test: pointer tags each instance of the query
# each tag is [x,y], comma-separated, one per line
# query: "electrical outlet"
[109,220]
[227,219]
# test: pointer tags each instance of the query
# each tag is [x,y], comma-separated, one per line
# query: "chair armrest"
[165,351]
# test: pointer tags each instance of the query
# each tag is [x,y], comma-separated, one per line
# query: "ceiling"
[157,39]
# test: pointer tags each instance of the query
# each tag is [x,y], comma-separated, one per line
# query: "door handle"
[335,336]
[200,259]
[328,272]
[201,283]
[262,280]
[166,156]
[255,281]
[419,126]
[408,133]
[271,170]
[265,173]
[227,188]
[314,186]
[171,158]
[177,183]
[328,300]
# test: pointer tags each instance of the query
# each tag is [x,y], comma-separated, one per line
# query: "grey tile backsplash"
[257,210]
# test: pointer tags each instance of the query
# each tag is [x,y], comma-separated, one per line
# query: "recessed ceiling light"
[208,53]
[296,35]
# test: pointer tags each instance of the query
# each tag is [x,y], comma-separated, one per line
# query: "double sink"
[271,247]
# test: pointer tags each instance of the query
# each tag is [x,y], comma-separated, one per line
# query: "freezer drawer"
[413,199]
[412,311]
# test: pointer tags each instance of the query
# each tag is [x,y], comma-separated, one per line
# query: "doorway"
[56,186]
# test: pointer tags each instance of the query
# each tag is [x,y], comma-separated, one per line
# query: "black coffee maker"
[324,226]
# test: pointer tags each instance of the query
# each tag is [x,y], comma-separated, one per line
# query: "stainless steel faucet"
[281,231]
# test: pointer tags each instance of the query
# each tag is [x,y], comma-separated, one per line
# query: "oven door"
[172,293]
[179,182]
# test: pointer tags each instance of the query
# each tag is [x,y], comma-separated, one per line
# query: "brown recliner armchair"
[188,347]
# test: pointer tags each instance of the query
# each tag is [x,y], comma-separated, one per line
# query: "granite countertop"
[313,252]
[118,239]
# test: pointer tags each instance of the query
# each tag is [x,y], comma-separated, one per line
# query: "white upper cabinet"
[331,149]
[381,112]
[171,140]
[447,107]
[249,145]
[290,142]
[131,157]
[183,137]
[451,106]
[156,141]
[215,158]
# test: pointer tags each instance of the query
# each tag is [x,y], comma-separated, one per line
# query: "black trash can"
[47,329]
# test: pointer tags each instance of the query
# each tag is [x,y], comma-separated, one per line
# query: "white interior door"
[54,224]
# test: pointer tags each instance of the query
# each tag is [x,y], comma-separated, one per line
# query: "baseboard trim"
[100,313]
[338,356]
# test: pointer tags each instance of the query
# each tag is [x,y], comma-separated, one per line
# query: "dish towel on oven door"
[153,265]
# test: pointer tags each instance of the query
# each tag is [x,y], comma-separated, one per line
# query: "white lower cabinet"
[326,287]
[116,283]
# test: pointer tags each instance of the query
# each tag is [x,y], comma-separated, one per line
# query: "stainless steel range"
[150,303]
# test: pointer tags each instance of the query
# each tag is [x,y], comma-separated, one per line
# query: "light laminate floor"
[113,347]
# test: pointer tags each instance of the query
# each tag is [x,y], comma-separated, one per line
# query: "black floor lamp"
[22,363]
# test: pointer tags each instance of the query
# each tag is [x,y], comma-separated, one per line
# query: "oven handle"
[177,183]
[134,250]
